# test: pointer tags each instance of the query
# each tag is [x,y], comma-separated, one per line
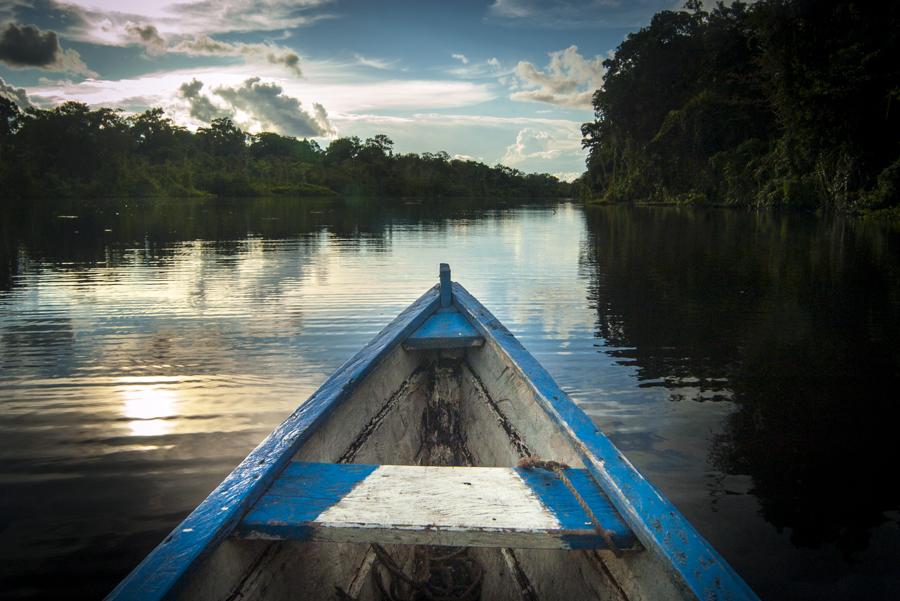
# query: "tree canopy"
[75,150]
[778,103]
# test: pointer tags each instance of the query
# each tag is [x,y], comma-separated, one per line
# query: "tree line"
[73,150]
[782,103]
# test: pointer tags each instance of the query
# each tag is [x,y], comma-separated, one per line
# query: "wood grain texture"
[458,506]
[444,283]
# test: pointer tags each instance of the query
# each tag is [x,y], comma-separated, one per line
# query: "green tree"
[223,138]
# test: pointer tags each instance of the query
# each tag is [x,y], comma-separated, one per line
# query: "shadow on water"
[796,320]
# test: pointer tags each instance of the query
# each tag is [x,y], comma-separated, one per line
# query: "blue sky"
[503,81]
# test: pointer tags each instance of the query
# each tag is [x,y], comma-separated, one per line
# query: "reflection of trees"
[9,263]
[667,286]
[105,229]
[797,318]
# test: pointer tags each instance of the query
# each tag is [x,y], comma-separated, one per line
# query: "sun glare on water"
[149,406]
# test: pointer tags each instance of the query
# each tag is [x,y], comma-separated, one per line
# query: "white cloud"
[269,109]
[337,87]
[17,95]
[149,37]
[461,58]
[206,46]
[256,106]
[103,21]
[450,120]
[541,145]
[200,106]
[158,27]
[579,14]
[146,35]
[568,80]
[486,137]
[567,176]
[374,63]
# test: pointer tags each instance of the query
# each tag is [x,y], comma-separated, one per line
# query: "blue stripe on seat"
[304,491]
[557,497]
[317,486]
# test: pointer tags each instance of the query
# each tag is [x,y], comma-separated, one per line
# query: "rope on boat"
[450,576]
[559,468]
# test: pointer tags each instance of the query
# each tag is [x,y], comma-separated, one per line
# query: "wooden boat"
[440,462]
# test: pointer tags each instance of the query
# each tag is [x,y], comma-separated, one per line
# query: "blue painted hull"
[444,384]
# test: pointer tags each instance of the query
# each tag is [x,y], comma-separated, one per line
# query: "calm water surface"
[747,364]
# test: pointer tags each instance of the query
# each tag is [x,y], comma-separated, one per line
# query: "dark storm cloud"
[27,46]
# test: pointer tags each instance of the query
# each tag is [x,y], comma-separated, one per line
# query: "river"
[747,363]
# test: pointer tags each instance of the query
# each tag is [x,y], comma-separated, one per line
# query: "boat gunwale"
[165,569]
[656,522]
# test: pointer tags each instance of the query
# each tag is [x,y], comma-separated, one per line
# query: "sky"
[499,81]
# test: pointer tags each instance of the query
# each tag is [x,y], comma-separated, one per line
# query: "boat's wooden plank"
[444,283]
[456,506]
[659,526]
[444,329]
[165,568]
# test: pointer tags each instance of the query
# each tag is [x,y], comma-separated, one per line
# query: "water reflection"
[147,407]
[738,360]
[796,320]
[147,347]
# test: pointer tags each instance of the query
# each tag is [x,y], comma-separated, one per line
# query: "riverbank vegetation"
[75,151]
[781,103]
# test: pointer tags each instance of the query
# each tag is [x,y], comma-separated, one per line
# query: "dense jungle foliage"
[72,150]
[778,103]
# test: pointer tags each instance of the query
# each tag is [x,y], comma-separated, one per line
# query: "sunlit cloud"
[146,35]
[569,79]
[267,108]
[548,145]
[566,176]
[200,106]
[346,94]
[540,144]
[104,21]
[206,46]
[194,59]
[17,95]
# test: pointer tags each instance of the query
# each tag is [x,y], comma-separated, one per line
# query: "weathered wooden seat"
[454,506]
